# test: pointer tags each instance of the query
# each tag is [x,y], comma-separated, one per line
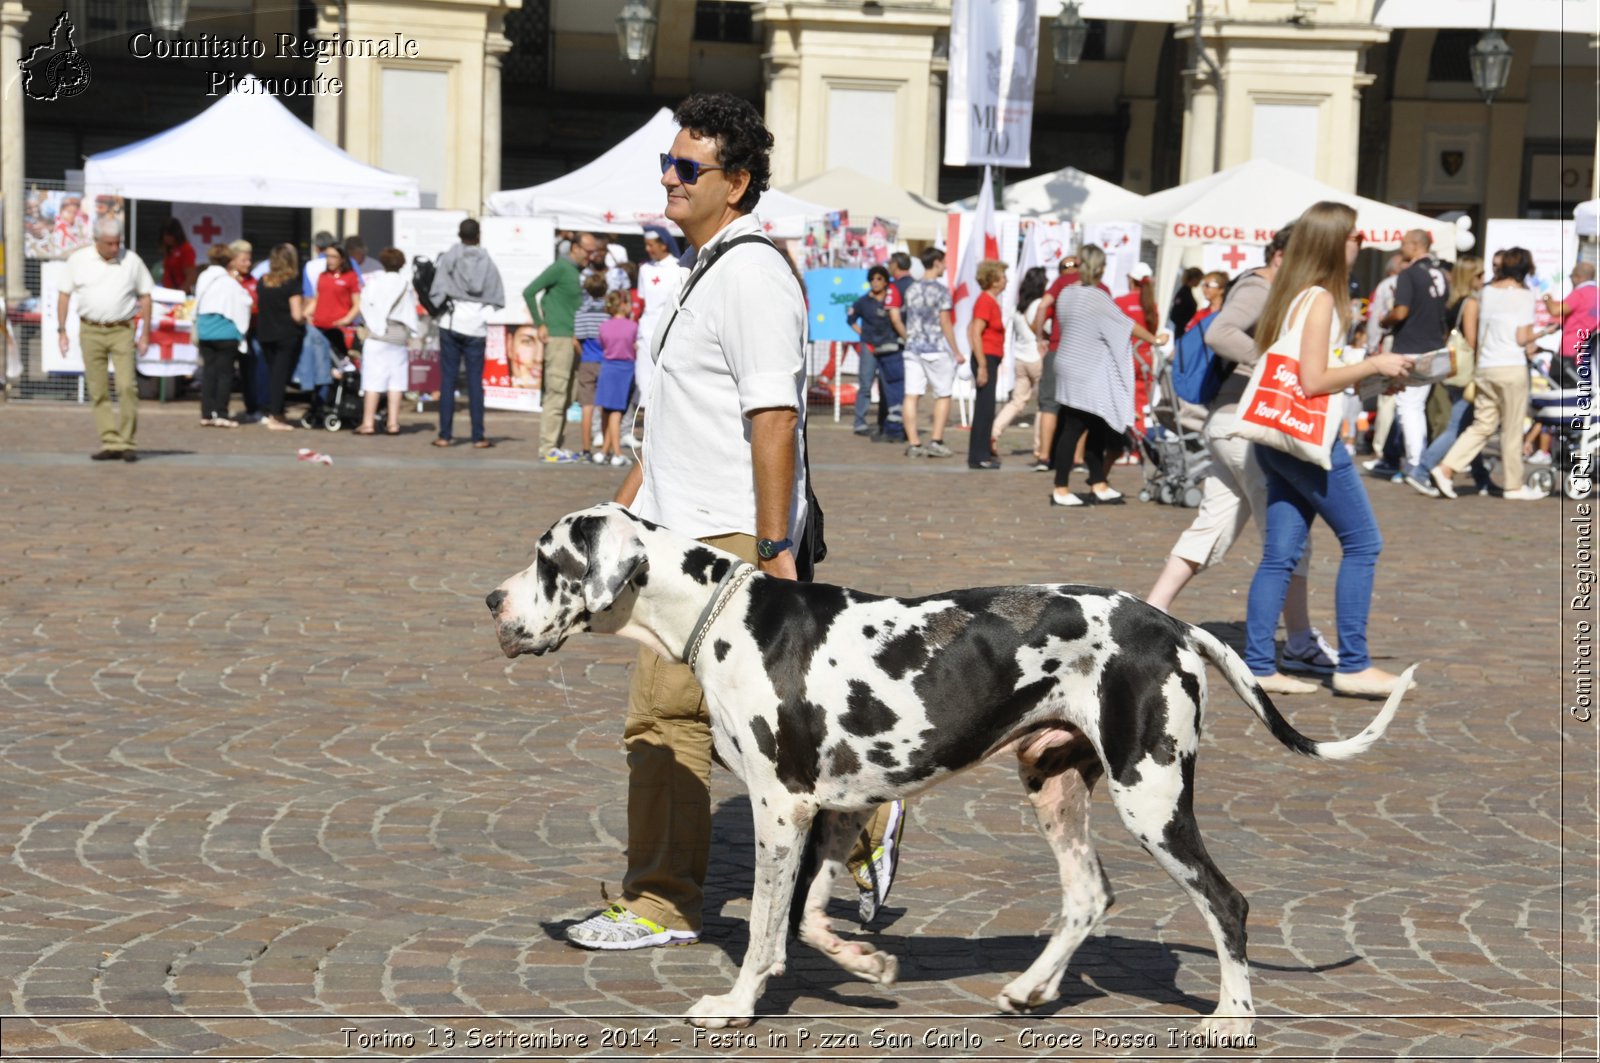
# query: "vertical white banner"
[994,55]
[206,224]
[1120,241]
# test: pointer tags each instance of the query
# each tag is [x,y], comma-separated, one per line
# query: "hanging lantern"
[636,33]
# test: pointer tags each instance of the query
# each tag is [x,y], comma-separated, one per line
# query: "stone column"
[1199,129]
[13,169]
[495,45]
[933,155]
[325,118]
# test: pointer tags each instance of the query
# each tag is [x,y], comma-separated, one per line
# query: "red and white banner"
[969,239]
[1232,259]
[994,53]
[209,223]
[1120,241]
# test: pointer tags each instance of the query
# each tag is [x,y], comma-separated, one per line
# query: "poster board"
[829,296]
[1554,246]
[170,353]
[522,248]
[426,232]
[510,382]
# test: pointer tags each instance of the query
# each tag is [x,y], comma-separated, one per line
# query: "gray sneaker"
[617,929]
[1422,482]
[916,450]
[937,449]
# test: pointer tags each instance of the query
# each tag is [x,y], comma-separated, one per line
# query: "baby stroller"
[1175,459]
[346,409]
[1574,428]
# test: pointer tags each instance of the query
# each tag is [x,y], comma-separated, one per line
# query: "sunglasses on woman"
[688,170]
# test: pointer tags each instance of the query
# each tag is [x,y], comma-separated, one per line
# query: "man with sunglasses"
[722,462]
[555,315]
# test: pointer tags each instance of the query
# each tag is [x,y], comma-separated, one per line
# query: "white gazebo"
[1246,204]
[621,190]
[919,217]
[246,150]
[1069,195]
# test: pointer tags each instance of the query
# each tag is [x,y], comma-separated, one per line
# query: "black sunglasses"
[689,170]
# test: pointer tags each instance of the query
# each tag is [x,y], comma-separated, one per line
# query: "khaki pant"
[1027,383]
[560,358]
[1234,493]
[1501,403]
[113,345]
[668,738]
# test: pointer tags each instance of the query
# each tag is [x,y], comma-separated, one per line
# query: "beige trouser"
[1235,491]
[668,738]
[559,379]
[1021,393]
[101,345]
[1501,403]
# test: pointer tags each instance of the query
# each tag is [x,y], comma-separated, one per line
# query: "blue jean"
[453,348]
[867,369]
[1297,491]
[1460,417]
[892,381]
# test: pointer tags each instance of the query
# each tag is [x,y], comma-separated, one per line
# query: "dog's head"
[582,579]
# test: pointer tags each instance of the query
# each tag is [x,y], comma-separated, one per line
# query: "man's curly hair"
[743,142]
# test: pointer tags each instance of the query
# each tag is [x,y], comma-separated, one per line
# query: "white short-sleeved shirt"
[1501,311]
[734,347]
[107,291]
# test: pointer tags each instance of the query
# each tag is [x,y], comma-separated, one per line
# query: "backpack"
[422,274]
[1197,372]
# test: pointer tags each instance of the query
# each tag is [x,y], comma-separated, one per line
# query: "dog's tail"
[1244,684]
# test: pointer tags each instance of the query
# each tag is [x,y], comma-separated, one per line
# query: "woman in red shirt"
[987,335]
[337,301]
[177,257]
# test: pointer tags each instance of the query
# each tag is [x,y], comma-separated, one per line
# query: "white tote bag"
[1275,410]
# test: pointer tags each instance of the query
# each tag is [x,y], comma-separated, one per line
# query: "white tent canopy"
[1247,203]
[621,190]
[248,150]
[1070,195]
[919,217]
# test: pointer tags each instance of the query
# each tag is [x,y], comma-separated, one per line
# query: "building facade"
[506,93]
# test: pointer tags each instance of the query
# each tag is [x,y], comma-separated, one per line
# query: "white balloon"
[1464,223]
[1464,240]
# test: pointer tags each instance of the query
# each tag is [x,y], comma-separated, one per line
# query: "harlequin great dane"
[827,702]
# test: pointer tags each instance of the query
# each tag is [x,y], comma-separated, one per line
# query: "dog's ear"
[613,555]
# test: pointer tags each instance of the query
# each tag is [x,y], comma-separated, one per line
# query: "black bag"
[422,274]
[812,549]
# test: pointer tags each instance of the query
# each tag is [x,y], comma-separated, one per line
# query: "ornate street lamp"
[636,33]
[1068,32]
[1491,64]
[168,15]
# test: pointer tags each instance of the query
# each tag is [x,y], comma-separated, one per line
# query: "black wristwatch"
[767,549]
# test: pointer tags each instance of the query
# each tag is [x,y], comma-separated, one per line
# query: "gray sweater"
[1232,336]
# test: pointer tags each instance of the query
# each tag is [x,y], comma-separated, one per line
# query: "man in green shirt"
[554,315]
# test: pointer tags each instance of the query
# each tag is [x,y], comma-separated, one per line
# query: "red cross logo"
[655,279]
[1234,257]
[207,230]
[767,226]
[608,216]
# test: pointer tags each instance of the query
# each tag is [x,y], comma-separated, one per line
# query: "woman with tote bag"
[1285,411]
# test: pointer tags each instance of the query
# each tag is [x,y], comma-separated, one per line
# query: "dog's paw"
[716,1013]
[1017,997]
[865,962]
[1232,1027]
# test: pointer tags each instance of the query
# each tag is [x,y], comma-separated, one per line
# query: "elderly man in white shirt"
[113,289]
[723,463]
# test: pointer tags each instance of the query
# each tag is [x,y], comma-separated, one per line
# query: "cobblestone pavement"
[270,787]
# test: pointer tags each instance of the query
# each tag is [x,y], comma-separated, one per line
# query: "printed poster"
[829,295]
[510,382]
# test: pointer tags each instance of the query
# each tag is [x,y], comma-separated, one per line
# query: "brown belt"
[124,323]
